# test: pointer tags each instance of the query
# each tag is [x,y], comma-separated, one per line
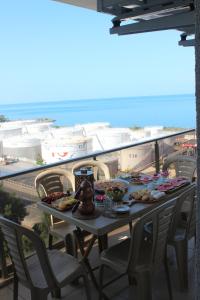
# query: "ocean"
[170,110]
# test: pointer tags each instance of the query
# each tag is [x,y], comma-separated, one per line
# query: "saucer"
[122,209]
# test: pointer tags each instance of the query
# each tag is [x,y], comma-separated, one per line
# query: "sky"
[52,51]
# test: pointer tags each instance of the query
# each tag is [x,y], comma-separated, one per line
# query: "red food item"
[156,176]
[165,173]
[52,197]
[165,187]
[145,178]
[100,198]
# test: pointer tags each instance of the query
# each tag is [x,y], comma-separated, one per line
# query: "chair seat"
[61,229]
[63,266]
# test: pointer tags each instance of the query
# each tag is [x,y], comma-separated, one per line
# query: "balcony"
[118,161]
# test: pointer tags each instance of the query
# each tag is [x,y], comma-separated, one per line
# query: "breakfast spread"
[116,189]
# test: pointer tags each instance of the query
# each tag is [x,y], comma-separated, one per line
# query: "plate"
[146,196]
[122,209]
[172,185]
[142,179]
[62,204]
[110,184]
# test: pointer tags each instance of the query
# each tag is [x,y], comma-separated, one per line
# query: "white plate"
[122,209]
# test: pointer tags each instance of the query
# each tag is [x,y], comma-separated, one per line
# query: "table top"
[102,224]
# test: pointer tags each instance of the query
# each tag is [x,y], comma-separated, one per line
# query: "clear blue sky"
[53,51]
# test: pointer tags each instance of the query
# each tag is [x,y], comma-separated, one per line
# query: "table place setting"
[114,198]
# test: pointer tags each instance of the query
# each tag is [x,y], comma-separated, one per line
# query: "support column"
[197,71]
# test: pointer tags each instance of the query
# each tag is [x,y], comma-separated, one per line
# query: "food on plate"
[116,194]
[156,176]
[164,173]
[111,184]
[52,197]
[172,184]
[135,174]
[64,203]
[100,198]
[144,195]
[141,179]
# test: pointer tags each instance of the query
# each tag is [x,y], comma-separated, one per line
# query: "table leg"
[4,273]
[130,227]
[103,242]
[85,253]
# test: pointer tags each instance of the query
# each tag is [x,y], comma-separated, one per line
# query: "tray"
[57,208]
[54,204]
[149,201]
[174,189]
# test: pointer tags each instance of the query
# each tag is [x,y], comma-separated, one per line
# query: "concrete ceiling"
[137,16]
[91,4]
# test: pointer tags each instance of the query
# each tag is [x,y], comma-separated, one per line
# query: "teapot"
[85,195]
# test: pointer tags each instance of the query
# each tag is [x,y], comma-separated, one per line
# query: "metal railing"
[94,155]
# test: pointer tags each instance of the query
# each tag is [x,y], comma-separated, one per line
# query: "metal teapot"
[85,195]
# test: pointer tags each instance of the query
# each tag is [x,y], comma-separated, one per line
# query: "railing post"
[3,258]
[157,157]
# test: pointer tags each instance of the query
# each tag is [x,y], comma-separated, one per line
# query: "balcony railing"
[94,156]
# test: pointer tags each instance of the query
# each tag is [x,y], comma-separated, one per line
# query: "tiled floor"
[120,290]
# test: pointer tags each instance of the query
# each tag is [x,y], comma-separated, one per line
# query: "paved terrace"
[120,290]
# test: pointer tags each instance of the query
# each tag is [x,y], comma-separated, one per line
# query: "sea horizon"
[95,99]
[165,110]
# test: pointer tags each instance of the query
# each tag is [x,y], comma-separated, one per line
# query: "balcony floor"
[120,290]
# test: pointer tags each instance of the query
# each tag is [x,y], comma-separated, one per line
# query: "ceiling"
[91,4]
[137,16]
